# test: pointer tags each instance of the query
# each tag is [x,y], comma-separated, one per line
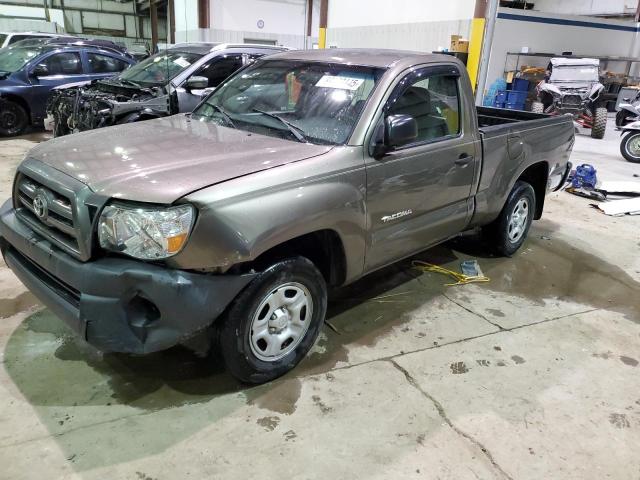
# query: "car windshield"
[13,59]
[160,68]
[301,101]
[575,73]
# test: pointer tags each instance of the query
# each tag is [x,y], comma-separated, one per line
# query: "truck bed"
[489,117]
[512,141]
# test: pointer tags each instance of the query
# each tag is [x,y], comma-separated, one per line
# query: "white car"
[9,38]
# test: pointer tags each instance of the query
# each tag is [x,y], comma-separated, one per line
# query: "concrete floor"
[533,375]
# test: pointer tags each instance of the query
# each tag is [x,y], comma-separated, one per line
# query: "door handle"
[464,159]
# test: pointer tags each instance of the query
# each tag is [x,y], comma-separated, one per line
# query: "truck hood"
[162,160]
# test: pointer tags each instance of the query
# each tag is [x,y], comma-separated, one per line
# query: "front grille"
[573,102]
[51,214]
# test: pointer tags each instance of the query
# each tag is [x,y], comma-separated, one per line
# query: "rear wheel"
[599,123]
[537,107]
[274,322]
[14,119]
[630,147]
[509,231]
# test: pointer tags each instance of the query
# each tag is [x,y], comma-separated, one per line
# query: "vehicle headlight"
[145,232]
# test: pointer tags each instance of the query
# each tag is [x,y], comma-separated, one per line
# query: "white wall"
[421,25]
[587,7]
[584,39]
[279,16]
[358,13]
[234,21]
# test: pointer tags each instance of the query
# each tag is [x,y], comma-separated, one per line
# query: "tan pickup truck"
[306,169]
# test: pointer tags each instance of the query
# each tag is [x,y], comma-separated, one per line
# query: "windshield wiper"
[295,130]
[224,114]
[129,82]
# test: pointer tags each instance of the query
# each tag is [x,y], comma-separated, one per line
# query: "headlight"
[145,233]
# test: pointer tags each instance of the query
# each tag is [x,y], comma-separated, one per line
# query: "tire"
[630,147]
[14,119]
[501,233]
[599,123]
[621,118]
[537,107]
[254,357]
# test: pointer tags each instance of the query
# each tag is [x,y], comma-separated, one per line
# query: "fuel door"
[515,146]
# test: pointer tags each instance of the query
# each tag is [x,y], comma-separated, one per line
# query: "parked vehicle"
[9,38]
[630,144]
[69,40]
[304,171]
[28,74]
[629,111]
[573,86]
[167,83]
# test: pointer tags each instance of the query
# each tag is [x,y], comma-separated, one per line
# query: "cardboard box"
[459,45]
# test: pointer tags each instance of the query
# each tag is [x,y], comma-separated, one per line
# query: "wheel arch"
[537,175]
[324,248]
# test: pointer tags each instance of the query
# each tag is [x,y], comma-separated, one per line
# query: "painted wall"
[587,7]
[551,33]
[238,21]
[422,25]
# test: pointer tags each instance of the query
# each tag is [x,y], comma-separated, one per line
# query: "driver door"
[57,69]
[418,194]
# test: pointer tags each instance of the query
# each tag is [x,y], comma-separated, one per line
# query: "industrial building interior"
[310,239]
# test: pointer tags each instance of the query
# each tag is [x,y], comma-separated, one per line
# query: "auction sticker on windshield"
[181,62]
[340,81]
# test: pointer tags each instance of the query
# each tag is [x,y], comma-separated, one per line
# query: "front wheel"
[509,231]
[274,322]
[630,147]
[14,119]
[599,123]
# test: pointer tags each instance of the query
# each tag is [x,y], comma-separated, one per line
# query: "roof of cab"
[372,57]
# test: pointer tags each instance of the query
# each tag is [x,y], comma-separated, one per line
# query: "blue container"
[498,104]
[520,85]
[515,105]
[501,96]
[515,96]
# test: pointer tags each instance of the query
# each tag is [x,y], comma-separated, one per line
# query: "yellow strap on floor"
[461,278]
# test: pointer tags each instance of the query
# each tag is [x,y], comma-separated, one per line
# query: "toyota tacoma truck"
[305,171]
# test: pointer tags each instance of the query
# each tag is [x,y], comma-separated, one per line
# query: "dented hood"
[162,160]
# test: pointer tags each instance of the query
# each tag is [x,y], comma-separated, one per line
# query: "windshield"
[160,68]
[13,59]
[301,101]
[575,73]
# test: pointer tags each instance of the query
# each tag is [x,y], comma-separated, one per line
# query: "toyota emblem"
[41,206]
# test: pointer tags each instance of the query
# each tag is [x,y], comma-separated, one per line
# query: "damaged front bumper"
[116,304]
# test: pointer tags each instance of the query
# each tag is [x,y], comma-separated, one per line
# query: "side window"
[17,38]
[434,103]
[64,63]
[104,64]
[220,68]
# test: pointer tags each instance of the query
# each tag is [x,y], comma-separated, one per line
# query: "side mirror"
[196,83]
[40,70]
[626,99]
[400,130]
